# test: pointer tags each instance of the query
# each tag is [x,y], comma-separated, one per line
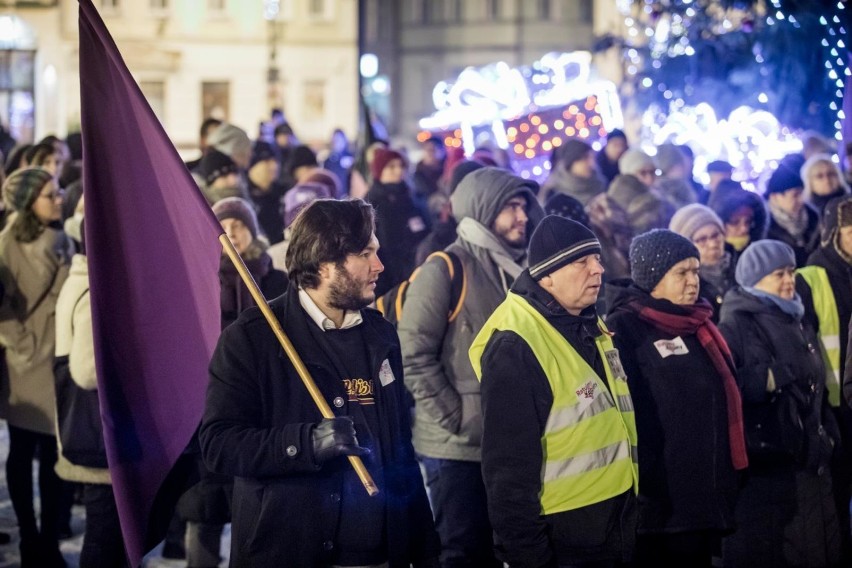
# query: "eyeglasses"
[53,195]
[717,236]
[646,173]
[825,175]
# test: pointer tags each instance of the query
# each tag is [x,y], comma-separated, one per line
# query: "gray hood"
[482,194]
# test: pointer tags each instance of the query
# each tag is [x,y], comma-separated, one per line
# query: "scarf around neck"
[696,320]
[511,260]
[793,224]
[793,307]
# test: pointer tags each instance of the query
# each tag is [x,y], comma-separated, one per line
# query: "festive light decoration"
[753,141]
[729,53]
[528,111]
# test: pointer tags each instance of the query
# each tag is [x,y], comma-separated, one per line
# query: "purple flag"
[153,250]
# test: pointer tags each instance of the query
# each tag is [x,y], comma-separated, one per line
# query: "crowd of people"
[619,366]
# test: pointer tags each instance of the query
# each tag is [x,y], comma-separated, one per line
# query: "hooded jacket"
[438,373]
[725,201]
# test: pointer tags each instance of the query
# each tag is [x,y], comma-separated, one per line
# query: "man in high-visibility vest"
[559,437]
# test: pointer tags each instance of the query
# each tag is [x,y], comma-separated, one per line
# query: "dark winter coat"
[516,403]
[400,226]
[645,208]
[257,427]
[802,246]
[235,297]
[269,209]
[785,513]
[687,481]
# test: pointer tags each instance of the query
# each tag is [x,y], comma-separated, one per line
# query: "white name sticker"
[667,347]
[386,374]
[416,224]
[614,362]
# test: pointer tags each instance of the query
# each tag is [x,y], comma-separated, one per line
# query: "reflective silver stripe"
[625,403]
[586,462]
[831,341]
[562,418]
[634,454]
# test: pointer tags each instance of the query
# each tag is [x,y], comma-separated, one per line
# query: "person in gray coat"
[496,211]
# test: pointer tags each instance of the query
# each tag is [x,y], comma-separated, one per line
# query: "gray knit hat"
[237,208]
[653,254]
[634,160]
[762,258]
[689,219]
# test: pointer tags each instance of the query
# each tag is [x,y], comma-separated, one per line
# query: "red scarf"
[697,321]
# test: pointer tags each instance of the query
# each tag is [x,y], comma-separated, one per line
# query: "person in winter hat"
[790,429]
[538,354]
[608,156]
[674,184]
[718,171]
[824,286]
[265,190]
[823,181]
[220,177]
[34,258]
[574,172]
[744,214]
[688,408]
[496,212]
[705,230]
[296,199]
[302,162]
[791,221]
[232,141]
[401,222]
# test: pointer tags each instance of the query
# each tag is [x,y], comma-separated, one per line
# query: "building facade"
[421,42]
[232,59]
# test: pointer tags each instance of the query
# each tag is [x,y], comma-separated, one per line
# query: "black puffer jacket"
[687,481]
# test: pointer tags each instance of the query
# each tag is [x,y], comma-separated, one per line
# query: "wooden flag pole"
[308,381]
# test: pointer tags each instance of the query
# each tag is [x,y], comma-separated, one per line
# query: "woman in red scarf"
[687,405]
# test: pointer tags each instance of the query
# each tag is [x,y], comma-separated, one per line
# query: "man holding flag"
[297,502]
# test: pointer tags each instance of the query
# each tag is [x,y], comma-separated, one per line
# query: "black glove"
[335,437]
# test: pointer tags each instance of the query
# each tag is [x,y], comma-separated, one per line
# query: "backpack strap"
[458,281]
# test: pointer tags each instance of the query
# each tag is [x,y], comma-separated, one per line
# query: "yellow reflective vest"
[829,327]
[589,440]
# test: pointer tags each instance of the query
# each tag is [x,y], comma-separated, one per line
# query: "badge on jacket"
[668,347]
[614,362]
[385,373]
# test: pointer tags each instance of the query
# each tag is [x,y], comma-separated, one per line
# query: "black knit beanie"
[653,254]
[216,164]
[558,241]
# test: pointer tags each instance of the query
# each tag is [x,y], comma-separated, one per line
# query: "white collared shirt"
[350,318]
